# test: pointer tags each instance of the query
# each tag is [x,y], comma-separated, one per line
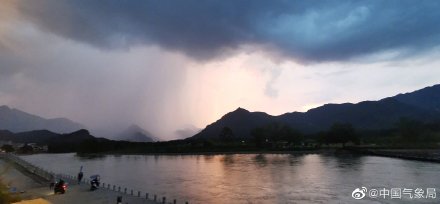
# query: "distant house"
[281,144]
[19,146]
[37,148]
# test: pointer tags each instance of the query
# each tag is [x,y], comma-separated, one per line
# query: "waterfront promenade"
[31,182]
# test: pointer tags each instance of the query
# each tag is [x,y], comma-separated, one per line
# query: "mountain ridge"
[16,120]
[422,104]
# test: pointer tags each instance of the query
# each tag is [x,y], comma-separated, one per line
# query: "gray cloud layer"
[50,64]
[304,30]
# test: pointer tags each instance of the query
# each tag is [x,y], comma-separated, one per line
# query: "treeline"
[175,146]
[407,133]
[272,137]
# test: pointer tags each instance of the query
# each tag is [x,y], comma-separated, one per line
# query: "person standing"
[80,175]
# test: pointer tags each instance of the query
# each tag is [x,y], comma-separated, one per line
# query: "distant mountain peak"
[237,113]
[4,107]
[16,120]
[240,109]
[135,127]
[82,132]
[134,133]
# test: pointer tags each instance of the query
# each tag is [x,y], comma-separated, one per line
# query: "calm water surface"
[253,178]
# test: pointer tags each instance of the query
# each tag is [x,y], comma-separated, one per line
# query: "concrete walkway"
[82,194]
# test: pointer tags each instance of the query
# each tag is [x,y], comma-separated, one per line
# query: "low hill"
[241,121]
[56,142]
[134,133]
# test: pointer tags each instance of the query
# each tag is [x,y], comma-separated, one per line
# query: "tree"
[26,149]
[410,130]
[226,134]
[274,132]
[259,136]
[7,148]
[291,135]
[341,133]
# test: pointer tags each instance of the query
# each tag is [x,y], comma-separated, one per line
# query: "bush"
[7,148]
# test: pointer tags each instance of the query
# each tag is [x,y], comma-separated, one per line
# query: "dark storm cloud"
[305,30]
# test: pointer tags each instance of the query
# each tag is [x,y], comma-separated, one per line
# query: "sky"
[175,66]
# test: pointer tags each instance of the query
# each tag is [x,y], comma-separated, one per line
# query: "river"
[256,178]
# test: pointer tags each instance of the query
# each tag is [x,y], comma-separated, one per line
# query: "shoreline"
[424,155]
[211,153]
[23,181]
[26,172]
[406,154]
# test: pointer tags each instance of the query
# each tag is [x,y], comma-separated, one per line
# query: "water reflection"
[208,158]
[249,178]
[293,159]
[348,161]
[90,156]
[260,160]
[228,159]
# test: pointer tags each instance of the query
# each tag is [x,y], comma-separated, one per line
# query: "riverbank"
[28,186]
[18,183]
[426,155]
[311,151]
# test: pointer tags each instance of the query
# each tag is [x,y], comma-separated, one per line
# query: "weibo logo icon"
[359,193]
